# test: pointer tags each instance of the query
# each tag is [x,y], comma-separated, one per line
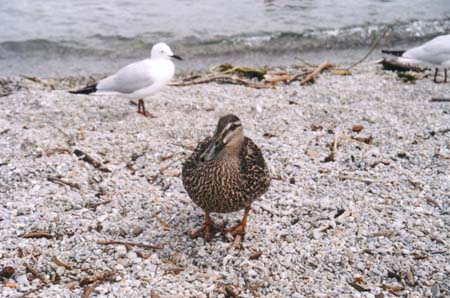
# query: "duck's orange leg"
[240,228]
[206,229]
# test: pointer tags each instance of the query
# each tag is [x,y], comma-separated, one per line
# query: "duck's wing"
[254,168]
[192,161]
[129,79]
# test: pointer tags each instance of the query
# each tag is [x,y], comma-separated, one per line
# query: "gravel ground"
[371,220]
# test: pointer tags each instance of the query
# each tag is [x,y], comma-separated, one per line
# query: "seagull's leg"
[445,75]
[435,75]
[140,101]
[141,109]
[240,228]
[206,229]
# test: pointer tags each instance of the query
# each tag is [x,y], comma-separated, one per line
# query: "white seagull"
[139,79]
[434,53]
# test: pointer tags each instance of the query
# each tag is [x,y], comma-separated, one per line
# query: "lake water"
[61,37]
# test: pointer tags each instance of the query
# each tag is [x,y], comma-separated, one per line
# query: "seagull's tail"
[86,90]
[395,53]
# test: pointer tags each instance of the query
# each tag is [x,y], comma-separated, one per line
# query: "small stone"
[137,231]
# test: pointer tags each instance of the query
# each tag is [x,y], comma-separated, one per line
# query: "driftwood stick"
[63,182]
[273,79]
[119,242]
[95,205]
[297,76]
[312,76]
[88,290]
[438,99]
[98,277]
[221,79]
[182,155]
[36,273]
[347,177]
[61,263]
[87,158]
[161,221]
[40,235]
[173,270]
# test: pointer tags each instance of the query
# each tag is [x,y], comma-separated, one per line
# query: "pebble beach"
[358,205]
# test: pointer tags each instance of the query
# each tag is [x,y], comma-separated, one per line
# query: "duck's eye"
[234,126]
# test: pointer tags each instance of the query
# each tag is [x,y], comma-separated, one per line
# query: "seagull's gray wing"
[129,79]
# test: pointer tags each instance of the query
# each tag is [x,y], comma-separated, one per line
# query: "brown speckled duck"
[226,173]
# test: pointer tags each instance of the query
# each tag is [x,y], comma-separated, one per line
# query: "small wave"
[270,42]
[119,48]
[39,47]
[341,38]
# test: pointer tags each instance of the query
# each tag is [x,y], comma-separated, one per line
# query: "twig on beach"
[87,158]
[297,76]
[273,79]
[366,140]
[362,179]
[119,242]
[61,263]
[97,277]
[161,170]
[94,280]
[433,202]
[253,287]
[247,72]
[174,270]
[375,44]
[439,99]
[323,228]
[340,218]
[165,225]
[359,287]
[88,290]
[4,131]
[63,182]
[36,273]
[312,76]
[60,149]
[255,255]
[39,235]
[95,205]
[39,81]
[333,149]
[224,79]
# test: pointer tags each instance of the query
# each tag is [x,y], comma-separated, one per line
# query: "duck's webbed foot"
[207,228]
[239,229]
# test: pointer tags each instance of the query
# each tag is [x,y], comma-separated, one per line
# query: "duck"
[225,173]
[139,79]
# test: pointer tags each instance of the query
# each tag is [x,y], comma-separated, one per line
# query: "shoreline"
[341,227]
[95,66]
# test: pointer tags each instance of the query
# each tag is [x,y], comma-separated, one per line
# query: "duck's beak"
[213,150]
[177,57]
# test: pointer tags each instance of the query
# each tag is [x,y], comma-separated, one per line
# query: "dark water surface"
[61,37]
